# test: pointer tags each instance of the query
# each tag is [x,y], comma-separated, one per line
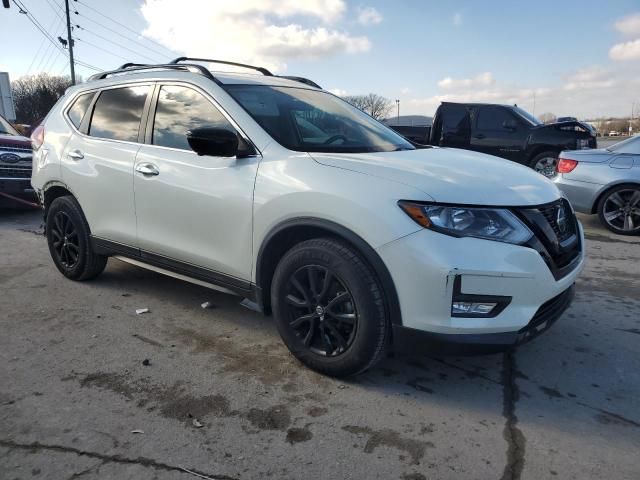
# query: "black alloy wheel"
[65,240]
[321,310]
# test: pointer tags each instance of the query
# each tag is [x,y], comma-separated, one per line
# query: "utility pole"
[398,115]
[70,44]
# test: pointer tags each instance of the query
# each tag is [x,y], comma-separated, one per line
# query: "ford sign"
[9,158]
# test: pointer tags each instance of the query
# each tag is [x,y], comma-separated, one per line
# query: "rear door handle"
[479,136]
[147,169]
[75,154]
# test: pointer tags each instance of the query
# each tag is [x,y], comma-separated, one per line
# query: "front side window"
[314,121]
[179,110]
[493,118]
[79,108]
[117,113]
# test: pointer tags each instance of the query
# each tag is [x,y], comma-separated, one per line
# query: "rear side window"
[117,113]
[179,110]
[493,118]
[79,108]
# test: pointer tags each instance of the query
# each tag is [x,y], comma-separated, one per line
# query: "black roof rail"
[136,67]
[262,70]
[301,80]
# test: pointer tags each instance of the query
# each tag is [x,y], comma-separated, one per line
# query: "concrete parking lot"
[89,389]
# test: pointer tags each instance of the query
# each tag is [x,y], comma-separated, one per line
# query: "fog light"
[472,308]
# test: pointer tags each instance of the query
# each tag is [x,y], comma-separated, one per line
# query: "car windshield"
[630,145]
[532,119]
[306,120]
[6,128]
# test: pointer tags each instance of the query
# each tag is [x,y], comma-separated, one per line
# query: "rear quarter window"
[79,108]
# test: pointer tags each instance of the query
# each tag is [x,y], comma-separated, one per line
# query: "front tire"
[329,308]
[68,237]
[545,163]
[619,209]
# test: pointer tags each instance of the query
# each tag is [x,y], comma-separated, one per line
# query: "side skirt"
[175,268]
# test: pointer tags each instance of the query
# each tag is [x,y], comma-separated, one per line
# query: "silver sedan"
[604,181]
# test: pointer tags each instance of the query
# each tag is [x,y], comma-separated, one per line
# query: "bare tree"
[547,117]
[375,105]
[36,94]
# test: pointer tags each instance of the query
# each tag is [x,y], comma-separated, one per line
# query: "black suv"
[505,131]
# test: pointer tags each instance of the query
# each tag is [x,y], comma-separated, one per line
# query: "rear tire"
[619,209]
[68,237]
[545,163]
[329,308]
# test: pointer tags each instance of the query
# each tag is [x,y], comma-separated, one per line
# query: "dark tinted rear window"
[117,113]
[79,108]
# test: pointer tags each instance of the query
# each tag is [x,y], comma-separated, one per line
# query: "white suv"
[273,189]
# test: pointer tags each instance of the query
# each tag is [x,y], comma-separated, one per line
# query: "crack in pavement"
[511,433]
[143,461]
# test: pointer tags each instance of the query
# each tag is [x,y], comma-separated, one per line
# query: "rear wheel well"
[594,208]
[282,239]
[542,149]
[52,193]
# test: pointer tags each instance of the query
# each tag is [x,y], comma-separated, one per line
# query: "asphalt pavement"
[89,389]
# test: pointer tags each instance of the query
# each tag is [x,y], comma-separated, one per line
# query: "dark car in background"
[15,165]
[507,131]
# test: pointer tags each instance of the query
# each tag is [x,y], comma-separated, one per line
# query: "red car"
[15,165]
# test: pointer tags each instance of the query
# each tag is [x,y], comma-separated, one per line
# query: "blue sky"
[575,57]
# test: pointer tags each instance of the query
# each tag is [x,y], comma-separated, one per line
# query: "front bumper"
[419,341]
[424,267]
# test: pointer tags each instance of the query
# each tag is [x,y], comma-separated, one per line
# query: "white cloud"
[457,19]
[625,51]
[588,92]
[481,80]
[338,91]
[405,90]
[262,32]
[629,25]
[369,16]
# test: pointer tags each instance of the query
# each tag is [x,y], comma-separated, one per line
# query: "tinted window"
[314,121]
[455,120]
[179,110]
[493,118]
[79,108]
[117,113]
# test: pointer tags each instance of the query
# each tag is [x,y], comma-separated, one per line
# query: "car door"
[498,132]
[456,126]
[97,162]
[193,212]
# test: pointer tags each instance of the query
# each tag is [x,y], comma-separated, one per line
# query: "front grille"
[15,172]
[14,147]
[556,233]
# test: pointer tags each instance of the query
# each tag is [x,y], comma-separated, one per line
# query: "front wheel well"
[283,238]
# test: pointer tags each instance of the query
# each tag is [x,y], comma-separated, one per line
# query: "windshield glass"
[532,119]
[315,121]
[6,128]
[630,145]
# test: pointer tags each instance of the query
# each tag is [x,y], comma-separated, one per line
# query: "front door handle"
[147,169]
[75,154]
[479,136]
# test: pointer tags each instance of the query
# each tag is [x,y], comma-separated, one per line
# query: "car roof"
[480,104]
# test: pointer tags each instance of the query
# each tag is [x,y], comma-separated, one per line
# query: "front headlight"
[489,223]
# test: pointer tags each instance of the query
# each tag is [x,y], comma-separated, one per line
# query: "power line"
[120,24]
[116,43]
[102,49]
[124,36]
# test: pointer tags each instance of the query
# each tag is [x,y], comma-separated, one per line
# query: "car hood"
[598,155]
[15,140]
[450,175]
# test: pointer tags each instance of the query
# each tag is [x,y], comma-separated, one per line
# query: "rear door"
[455,126]
[193,211]
[97,163]
[497,131]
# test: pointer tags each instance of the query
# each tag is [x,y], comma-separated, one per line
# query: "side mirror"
[218,142]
